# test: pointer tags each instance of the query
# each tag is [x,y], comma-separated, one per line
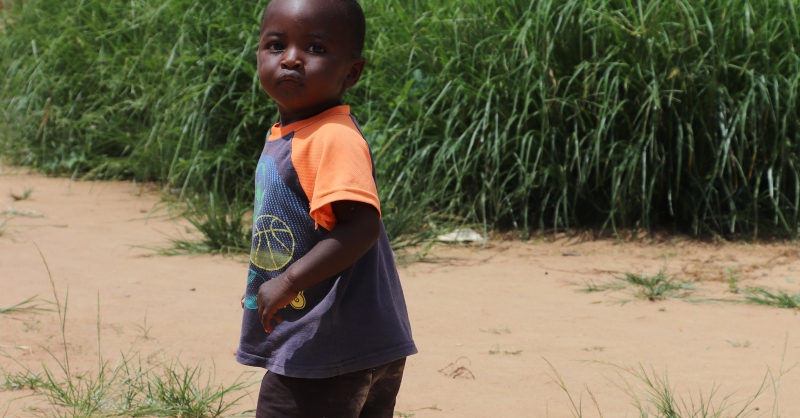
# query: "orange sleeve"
[333,163]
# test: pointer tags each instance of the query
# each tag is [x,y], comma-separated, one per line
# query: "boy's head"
[309,54]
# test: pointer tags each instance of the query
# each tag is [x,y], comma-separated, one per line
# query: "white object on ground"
[461,235]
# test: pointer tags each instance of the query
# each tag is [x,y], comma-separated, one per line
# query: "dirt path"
[484,320]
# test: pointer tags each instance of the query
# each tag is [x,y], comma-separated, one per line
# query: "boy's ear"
[354,72]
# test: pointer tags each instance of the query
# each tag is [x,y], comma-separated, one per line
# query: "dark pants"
[369,393]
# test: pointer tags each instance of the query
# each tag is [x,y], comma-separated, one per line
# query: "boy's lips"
[289,78]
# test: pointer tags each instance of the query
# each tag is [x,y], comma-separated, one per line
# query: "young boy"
[323,311]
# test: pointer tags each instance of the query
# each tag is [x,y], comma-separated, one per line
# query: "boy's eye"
[274,47]
[316,49]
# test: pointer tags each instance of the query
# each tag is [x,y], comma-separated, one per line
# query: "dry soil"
[486,320]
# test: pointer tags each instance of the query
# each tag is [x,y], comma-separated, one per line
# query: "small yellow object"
[299,302]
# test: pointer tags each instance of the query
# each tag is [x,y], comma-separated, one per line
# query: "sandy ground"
[486,321]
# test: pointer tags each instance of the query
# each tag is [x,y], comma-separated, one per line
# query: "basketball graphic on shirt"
[273,243]
[299,302]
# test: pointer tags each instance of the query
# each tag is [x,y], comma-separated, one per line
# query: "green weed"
[223,228]
[589,286]
[651,287]
[654,397]
[144,329]
[656,287]
[129,388]
[497,331]
[732,279]
[496,350]
[33,325]
[24,196]
[32,304]
[775,298]
[21,381]
[739,344]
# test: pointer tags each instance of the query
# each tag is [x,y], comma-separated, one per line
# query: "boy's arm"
[357,229]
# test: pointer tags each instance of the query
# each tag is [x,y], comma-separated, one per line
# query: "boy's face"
[306,59]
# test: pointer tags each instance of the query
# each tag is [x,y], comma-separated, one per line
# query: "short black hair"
[353,16]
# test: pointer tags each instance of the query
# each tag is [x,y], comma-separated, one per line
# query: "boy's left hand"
[273,295]
[358,227]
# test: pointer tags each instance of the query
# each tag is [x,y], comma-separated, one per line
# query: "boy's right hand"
[243,301]
[273,295]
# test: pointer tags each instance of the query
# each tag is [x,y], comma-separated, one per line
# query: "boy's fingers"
[267,318]
[265,322]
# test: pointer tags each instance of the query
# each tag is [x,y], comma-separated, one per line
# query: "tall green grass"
[534,115]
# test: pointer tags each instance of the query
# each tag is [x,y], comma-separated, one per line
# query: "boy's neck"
[288,117]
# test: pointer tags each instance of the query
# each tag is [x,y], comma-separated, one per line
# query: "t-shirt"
[352,321]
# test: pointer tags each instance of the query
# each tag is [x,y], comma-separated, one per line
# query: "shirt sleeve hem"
[356,195]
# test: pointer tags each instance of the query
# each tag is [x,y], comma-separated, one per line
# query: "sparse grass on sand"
[222,224]
[32,304]
[129,388]
[662,286]
[653,396]
[775,298]
[659,286]
[26,194]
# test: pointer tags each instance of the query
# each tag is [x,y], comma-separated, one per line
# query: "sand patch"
[484,320]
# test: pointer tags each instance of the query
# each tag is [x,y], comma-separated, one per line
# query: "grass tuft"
[24,196]
[129,388]
[222,225]
[654,397]
[21,381]
[656,287]
[777,298]
[590,286]
[32,304]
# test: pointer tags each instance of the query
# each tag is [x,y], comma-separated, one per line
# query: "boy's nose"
[291,60]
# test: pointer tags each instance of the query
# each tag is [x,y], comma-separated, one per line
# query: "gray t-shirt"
[352,321]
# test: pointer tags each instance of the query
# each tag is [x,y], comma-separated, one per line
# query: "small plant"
[732,279]
[497,331]
[222,225]
[778,299]
[130,388]
[20,381]
[144,328]
[595,348]
[654,397]
[657,287]
[32,326]
[739,344]
[27,306]
[496,350]
[589,286]
[668,254]
[24,196]
[404,414]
